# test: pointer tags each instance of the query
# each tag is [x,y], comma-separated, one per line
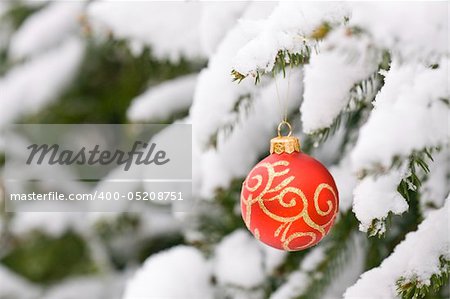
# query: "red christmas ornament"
[289,200]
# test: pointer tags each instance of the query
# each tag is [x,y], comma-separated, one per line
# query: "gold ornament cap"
[284,144]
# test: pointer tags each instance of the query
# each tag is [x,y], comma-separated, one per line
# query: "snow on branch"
[45,29]
[191,29]
[407,120]
[375,197]
[182,265]
[163,101]
[238,261]
[345,59]
[423,254]
[417,31]
[292,29]
[178,37]
[410,114]
[30,86]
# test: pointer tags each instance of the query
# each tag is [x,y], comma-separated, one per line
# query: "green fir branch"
[283,59]
[286,58]
[415,288]
[418,168]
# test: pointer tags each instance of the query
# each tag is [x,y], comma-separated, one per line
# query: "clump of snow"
[409,114]
[238,261]
[376,196]
[287,28]
[417,257]
[46,28]
[30,86]
[179,36]
[13,286]
[162,101]
[343,60]
[180,272]
[419,30]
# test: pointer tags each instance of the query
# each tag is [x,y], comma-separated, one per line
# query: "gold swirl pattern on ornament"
[286,222]
[329,202]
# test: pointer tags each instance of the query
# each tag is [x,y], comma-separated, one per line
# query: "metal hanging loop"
[284,124]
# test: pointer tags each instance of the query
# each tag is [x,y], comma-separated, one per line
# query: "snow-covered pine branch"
[345,58]
[415,95]
[376,197]
[191,30]
[292,28]
[412,105]
[46,29]
[181,272]
[423,253]
[112,18]
[212,111]
[28,87]
[161,102]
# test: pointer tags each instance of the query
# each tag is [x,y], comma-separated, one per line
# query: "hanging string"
[287,95]
[283,105]
[280,106]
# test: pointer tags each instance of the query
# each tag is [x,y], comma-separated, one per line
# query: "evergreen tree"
[365,86]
